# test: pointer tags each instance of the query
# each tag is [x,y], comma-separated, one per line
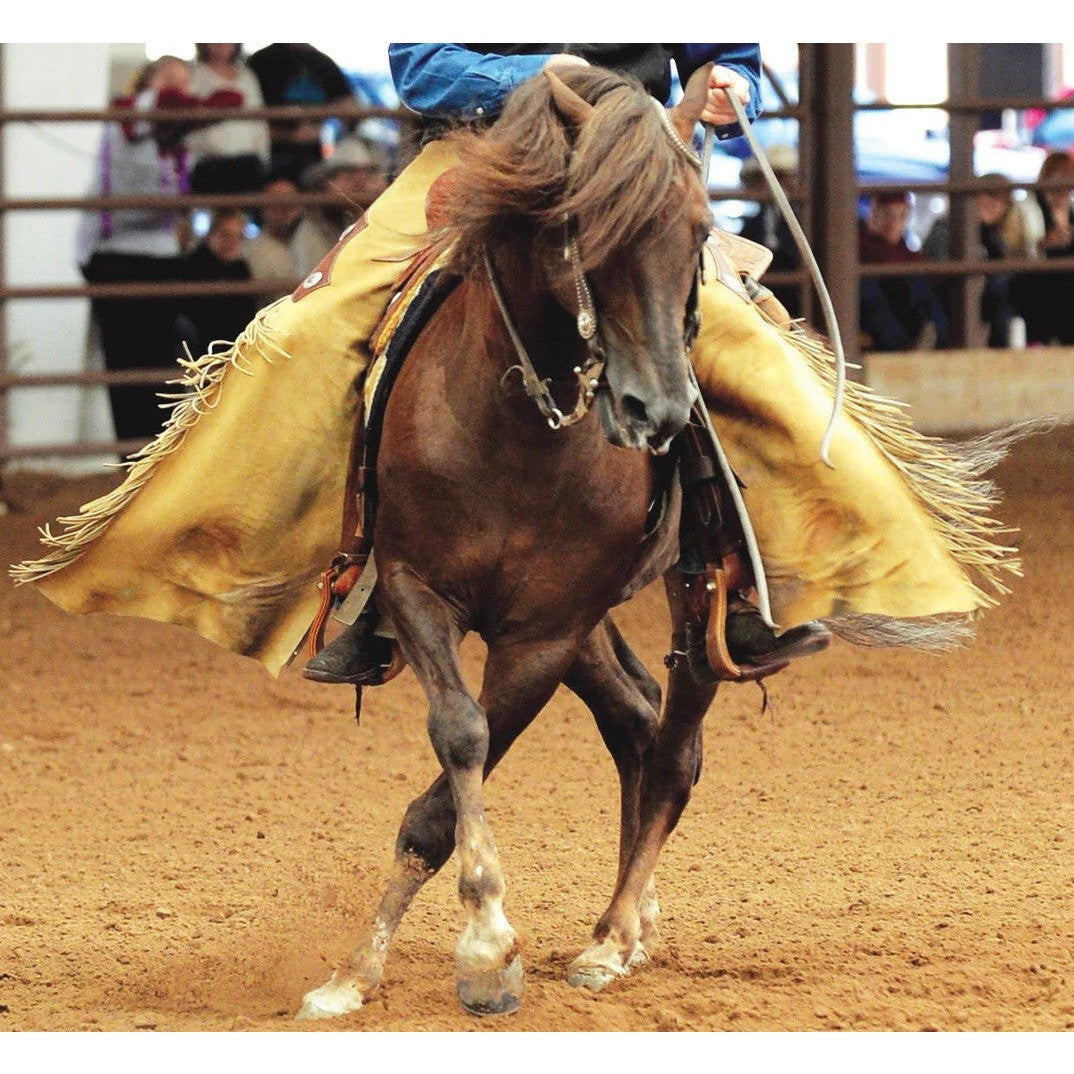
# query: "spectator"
[136,245]
[1002,235]
[270,255]
[768,226]
[297,74]
[231,156]
[1045,297]
[1004,231]
[897,312]
[353,172]
[206,319]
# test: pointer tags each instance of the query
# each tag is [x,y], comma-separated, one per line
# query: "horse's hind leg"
[625,701]
[650,690]
[668,772]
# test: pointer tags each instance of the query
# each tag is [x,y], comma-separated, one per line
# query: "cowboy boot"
[752,642]
[358,656]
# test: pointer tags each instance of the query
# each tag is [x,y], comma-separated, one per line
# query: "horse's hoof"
[329,1001]
[600,964]
[592,977]
[492,991]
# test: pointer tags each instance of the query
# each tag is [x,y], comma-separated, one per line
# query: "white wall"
[54,159]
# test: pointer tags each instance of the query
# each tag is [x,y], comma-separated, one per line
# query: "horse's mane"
[526,174]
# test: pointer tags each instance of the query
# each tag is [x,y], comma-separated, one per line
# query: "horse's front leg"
[489,970]
[427,835]
[519,680]
[669,770]
[425,842]
[625,701]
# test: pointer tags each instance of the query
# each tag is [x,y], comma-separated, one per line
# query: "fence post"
[4,395]
[834,184]
[963,76]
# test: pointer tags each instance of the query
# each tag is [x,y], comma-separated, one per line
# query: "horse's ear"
[685,115]
[573,109]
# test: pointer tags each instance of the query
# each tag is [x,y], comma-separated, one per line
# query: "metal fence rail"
[824,192]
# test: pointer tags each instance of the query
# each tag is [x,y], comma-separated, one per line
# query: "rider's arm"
[450,80]
[743,59]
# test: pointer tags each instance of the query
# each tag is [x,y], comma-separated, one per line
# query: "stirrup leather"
[713,563]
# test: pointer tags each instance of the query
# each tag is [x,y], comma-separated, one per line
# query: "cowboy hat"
[349,153]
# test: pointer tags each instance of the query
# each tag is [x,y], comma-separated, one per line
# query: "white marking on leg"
[330,1000]
[487,940]
[600,964]
[649,913]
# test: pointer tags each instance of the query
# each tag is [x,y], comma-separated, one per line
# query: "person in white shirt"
[271,255]
[231,156]
[136,245]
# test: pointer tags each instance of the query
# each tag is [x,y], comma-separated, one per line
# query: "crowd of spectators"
[1022,307]
[912,310]
[282,241]
[278,242]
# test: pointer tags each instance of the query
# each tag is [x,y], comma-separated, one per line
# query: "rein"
[807,257]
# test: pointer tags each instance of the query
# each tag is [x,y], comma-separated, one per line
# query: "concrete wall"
[976,390]
[43,160]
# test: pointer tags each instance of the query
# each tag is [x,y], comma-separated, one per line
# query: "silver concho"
[587,324]
[312,279]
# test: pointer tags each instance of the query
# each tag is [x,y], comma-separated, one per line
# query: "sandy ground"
[186,843]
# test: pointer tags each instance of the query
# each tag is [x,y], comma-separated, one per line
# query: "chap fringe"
[199,394]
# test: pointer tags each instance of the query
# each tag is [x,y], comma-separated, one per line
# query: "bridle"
[591,371]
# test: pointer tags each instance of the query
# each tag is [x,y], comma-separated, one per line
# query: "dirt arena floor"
[189,844]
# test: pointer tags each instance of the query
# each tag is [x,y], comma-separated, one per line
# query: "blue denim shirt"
[449,80]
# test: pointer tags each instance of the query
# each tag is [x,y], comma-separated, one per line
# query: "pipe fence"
[806,193]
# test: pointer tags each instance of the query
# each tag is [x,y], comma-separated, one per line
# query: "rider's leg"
[851,539]
[219,520]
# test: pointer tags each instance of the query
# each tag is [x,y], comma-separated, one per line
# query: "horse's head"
[641,214]
[600,182]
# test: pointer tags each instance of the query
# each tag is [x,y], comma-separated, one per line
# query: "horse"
[578,221]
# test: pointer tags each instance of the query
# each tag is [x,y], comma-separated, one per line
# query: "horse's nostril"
[634,409]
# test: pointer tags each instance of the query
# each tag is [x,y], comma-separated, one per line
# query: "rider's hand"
[564,59]
[718,110]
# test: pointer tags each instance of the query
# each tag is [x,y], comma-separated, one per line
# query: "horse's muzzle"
[632,423]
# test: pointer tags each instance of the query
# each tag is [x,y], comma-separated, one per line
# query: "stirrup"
[349,581]
[360,656]
[709,653]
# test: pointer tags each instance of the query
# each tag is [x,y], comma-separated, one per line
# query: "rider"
[448,82]
[224,520]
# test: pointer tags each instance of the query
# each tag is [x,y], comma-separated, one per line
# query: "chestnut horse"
[581,201]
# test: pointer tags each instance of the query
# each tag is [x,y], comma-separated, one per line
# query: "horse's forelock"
[625,174]
[618,175]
